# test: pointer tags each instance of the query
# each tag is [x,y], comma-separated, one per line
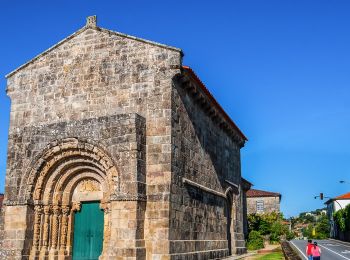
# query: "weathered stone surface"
[271,204]
[260,201]
[107,116]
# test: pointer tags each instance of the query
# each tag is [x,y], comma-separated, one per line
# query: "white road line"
[299,250]
[339,242]
[334,252]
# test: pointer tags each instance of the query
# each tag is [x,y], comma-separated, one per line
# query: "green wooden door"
[88,232]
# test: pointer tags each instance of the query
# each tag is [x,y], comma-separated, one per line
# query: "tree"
[270,225]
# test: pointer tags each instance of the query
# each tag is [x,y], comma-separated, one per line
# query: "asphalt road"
[331,249]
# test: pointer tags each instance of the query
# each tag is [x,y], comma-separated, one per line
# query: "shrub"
[255,241]
[290,235]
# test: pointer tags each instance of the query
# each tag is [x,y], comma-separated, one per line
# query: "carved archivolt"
[67,173]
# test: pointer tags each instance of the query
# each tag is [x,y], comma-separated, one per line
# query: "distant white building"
[333,205]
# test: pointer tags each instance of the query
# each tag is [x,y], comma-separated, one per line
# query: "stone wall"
[271,204]
[206,155]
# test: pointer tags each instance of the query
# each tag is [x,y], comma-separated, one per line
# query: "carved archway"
[66,173]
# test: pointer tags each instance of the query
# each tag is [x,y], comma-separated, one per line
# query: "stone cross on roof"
[91,21]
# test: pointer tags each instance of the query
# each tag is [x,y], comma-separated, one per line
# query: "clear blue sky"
[281,69]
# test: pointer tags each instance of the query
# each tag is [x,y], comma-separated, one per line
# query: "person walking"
[309,247]
[316,252]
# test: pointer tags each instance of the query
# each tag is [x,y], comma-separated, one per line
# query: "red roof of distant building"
[344,196]
[261,193]
[1,199]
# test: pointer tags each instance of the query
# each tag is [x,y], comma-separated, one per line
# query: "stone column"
[55,228]
[38,210]
[64,230]
[76,206]
[45,240]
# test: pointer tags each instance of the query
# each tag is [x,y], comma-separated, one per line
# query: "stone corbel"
[234,187]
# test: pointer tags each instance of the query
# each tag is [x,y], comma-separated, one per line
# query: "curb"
[289,251]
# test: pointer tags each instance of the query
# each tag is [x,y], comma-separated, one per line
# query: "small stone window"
[260,206]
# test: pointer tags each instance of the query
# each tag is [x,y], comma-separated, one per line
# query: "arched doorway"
[67,175]
[229,223]
[229,213]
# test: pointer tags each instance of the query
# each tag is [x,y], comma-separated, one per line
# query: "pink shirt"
[316,251]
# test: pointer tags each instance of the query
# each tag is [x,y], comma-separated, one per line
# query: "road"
[331,249]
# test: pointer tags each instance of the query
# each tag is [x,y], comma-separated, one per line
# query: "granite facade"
[124,113]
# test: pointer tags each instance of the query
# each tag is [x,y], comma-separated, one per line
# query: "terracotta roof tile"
[344,196]
[261,193]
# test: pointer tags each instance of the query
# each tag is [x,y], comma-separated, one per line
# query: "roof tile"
[261,193]
[344,196]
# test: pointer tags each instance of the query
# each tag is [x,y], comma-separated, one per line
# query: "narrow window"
[260,206]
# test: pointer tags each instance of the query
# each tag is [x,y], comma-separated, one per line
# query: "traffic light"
[321,196]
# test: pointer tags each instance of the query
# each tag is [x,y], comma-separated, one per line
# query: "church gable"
[93,72]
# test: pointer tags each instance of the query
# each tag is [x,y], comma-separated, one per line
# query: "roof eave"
[213,100]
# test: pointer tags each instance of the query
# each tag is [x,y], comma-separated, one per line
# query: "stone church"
[118,151]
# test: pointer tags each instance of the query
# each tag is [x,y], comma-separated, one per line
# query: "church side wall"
[204,154]
[92,75]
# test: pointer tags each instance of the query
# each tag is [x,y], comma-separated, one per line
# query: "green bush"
[268,225]
[290,235]
[340,219]
[255,241]
[277,231]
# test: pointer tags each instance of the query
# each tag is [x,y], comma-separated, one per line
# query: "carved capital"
[56,210]
[38,209]
[47,209]
[65,210]
[76,206]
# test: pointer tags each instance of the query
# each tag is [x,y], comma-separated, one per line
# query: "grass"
[271,256]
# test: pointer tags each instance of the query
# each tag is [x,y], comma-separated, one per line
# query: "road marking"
[334,252]
[340,242]
[345,252]
[331,244]
[299,250]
